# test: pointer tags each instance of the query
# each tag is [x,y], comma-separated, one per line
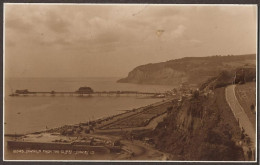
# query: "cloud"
[195,41]
[10,43]
[236,10]
[126,33]
[16,24]
[56,23]
[48,27]
[178,32]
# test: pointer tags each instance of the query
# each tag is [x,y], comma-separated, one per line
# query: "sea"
[27,114]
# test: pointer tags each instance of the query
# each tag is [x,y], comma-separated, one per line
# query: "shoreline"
[127,151]
[101,120]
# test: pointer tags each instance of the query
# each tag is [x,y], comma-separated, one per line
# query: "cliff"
[201,128]
[194,70]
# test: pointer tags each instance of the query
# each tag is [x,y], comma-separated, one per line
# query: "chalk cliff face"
[193,70]
[163,75]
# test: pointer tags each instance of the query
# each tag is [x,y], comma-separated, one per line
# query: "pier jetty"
[86,91]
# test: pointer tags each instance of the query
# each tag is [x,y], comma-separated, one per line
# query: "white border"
[121,4]
[3,77]
[124,4]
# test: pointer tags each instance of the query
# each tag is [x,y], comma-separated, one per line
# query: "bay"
[34,113]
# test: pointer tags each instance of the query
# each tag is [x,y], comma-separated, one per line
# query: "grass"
[246,95]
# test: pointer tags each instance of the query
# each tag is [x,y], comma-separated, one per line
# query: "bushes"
[169,109]
[252,107]
[207,134]
[196,94]
[222,84]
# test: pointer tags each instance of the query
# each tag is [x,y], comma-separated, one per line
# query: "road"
[239,113]
[135,149]
[142,151]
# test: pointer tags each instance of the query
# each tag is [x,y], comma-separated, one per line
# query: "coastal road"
[239,113]
[142,151]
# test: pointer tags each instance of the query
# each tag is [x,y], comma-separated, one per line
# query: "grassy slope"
[246,95]
[200,129]
[227,77]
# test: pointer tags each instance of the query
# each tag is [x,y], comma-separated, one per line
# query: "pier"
[86,91]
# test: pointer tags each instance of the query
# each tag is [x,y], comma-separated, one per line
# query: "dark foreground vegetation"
[239,75]
[202,128]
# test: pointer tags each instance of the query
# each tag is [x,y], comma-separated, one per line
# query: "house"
[148,140]
[184,88]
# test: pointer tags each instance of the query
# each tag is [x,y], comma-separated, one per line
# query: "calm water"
[28,114]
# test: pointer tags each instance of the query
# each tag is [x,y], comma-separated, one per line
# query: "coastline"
[102,120]
[108,133]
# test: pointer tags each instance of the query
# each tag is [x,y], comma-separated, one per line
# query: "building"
[25,91]
[84,90]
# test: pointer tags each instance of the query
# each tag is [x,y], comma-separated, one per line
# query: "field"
[246,95]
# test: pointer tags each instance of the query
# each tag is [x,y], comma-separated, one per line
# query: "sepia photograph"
[130,82]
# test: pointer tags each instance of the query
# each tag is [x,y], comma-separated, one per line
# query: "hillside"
[226,77]
[199,129]
[193,70]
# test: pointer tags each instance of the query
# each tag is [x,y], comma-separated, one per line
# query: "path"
[142,151]
[239,113]
[135,149]
[152,125]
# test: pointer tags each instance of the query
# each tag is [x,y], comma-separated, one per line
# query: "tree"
[252,107]
[196,94]
[169,109]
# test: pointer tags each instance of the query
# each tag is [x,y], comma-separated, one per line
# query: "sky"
[50,40]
